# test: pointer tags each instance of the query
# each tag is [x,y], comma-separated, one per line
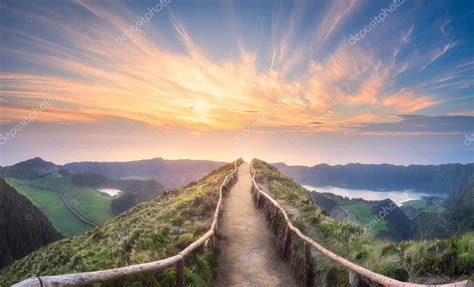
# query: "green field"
[361,210]
[426,204]
[43,192]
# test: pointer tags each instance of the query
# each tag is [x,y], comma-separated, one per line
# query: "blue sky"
[278,80]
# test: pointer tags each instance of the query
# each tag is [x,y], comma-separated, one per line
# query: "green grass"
[90,203]
[149,231]
[425,204]
[434,261]
[43,192]
[362,211]
[52,206]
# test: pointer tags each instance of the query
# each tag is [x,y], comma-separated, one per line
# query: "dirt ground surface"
[248,256]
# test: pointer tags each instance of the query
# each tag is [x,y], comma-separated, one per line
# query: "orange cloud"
[144,81]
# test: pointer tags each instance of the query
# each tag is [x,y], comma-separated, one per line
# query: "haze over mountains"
[170,173]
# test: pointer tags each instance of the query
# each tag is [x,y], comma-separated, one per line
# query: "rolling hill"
[23,227]
[55,194]
[29,169]
[44,192]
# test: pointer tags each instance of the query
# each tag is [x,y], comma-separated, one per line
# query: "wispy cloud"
[405,37]
[183,85]
[439,52]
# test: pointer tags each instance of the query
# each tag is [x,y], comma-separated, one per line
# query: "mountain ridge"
[444,178]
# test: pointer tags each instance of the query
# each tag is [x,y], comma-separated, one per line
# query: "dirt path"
[248,255]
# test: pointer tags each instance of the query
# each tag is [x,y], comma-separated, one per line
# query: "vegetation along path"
[248,255]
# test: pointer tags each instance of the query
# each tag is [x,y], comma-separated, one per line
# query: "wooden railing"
[76,279]
[355,271]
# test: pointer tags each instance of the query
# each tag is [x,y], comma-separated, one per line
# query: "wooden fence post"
[286,242]
[275,214]
[180,273]
[307,264]
[354,279]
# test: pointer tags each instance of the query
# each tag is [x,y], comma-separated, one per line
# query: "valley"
[75,199]
[46,193]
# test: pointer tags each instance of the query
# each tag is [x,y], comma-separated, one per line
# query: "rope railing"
[355,271]
[84,278]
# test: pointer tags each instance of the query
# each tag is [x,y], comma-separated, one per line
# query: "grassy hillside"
[149,231]
[360,209]
[80,192]
[460,206]
[52,206]
[435,261]
[43,192]
[426,204]
[90,203]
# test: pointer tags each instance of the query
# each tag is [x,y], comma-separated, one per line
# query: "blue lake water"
[398,197]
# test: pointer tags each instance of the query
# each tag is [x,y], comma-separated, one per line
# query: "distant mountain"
[170,173]
[23,227]
[444,178]
[29,169]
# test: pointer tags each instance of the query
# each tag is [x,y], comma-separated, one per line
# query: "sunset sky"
[199,73]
